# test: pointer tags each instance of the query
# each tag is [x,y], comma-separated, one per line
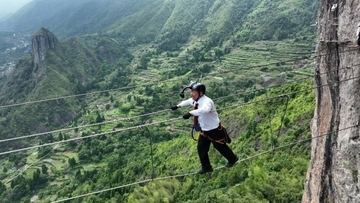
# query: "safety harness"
[225,138]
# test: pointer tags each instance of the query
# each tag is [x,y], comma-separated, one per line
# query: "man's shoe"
[202,171]
[230,164]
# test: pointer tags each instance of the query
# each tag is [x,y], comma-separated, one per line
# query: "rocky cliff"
[42,41]
[333,174]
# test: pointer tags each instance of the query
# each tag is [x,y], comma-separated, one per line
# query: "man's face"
[194,94]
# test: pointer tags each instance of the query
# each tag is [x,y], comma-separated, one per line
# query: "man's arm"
[205,108]
[184,103]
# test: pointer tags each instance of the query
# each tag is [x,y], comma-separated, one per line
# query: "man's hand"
[187,115]
[174,108]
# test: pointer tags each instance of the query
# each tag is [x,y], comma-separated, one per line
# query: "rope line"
[187,174]
[130,118]
[88,136]
[153,83]
[127,119]
[83,126]
[76,95]
[194,173]
[145,125]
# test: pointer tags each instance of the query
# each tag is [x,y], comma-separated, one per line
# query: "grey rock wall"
[42,41]
[333,174]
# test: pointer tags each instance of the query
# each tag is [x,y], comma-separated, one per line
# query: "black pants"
[203,147]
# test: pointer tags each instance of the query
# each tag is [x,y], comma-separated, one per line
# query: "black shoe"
[230,164]
[202,171]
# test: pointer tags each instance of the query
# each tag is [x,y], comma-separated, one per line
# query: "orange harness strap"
[220,141]
[223,140]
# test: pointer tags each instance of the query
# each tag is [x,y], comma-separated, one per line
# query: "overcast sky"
[10,6]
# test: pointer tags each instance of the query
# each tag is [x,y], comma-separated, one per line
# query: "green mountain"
[120,65]
[147,20]
[69,18]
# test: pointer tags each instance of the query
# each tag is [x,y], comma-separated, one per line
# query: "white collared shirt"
[208,116]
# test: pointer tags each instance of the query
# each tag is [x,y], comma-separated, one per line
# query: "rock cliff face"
[42,41]
[333,174]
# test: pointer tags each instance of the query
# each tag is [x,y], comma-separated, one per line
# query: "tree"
[2,188]
[42,151]
[18,180]
[50,138]
[19,191]
[60,137]
[99,118]
[72,162]
[44,169]
[36,176]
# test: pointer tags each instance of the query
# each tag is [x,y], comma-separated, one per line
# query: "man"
[208,123]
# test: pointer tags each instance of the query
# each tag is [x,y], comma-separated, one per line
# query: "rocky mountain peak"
[42,41]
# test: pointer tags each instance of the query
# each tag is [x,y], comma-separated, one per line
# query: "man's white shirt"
[206,112]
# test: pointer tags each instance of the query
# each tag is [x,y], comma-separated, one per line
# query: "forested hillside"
[174,20]
[96,114]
